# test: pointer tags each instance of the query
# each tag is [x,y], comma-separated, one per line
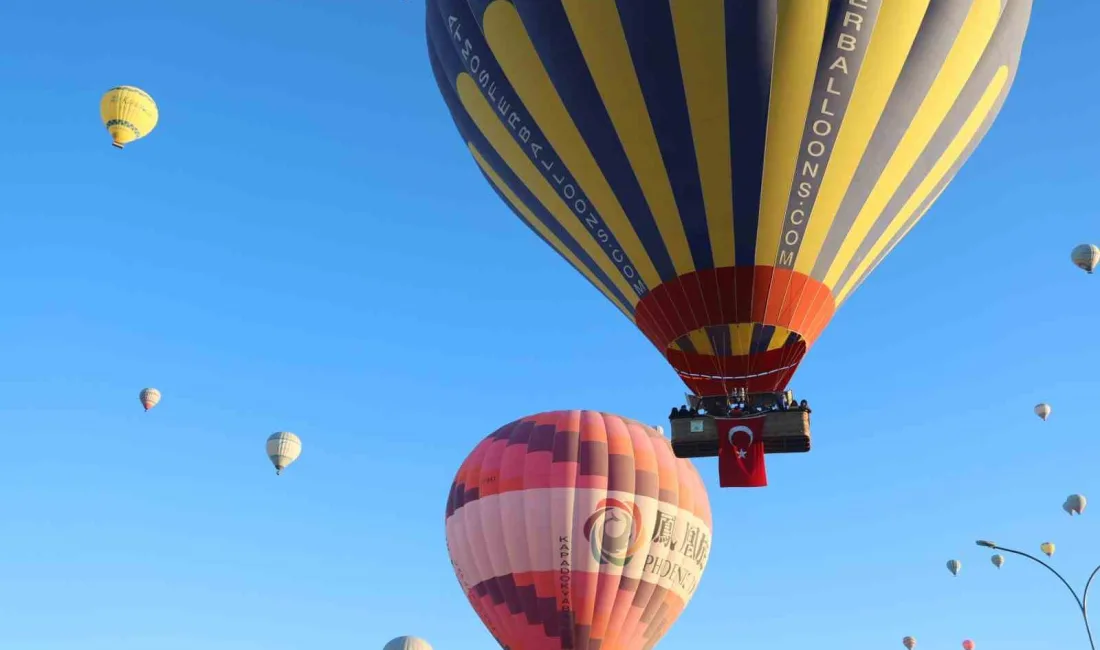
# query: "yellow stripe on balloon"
[969,45]
[895,30]
[800,29]
[525,213]
[943,165]
[599,32]
[516,55]
[500,137]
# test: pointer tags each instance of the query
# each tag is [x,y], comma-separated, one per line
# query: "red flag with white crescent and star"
[741,452]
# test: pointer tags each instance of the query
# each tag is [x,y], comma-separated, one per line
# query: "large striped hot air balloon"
[727,173]
[577,530]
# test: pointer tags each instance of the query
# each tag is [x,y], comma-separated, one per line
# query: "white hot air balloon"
[1086,257]
[407,643]
[1043,411]
[1075,504]
[149,397]
[283,448]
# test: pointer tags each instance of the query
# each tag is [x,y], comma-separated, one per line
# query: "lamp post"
[1082,600]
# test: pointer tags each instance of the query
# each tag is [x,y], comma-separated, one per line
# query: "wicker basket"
[785,432]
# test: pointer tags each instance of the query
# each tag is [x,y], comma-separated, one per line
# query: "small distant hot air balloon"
[998,560]
[283,448]
[1075,504]
[407,643]
[1086,257]
[1043,411]
[1048,548]
[968,645]
[954,566]
[909,642]
[129,114]
[149,397]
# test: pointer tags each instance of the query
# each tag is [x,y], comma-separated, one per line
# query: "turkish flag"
[741,452]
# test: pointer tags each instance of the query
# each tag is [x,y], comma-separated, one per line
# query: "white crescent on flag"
[738,429]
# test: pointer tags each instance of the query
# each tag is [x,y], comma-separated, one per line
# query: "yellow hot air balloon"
[998,560]
[725,173]
[1048,548]
[129,114]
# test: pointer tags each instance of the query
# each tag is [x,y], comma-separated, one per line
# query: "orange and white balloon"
[149,397]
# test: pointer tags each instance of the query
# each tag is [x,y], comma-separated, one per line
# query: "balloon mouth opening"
[739,377]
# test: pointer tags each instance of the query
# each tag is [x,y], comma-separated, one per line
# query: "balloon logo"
[614,532]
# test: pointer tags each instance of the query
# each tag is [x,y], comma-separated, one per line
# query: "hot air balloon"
[149,397]
[577,529]
[1075,503]
[954,566]
[725,173]
[1086,257]
[129,114]
[283,448]
[407,643]
[1048,548]
[998,560]
[968,645]
[909,642]
[1043,411]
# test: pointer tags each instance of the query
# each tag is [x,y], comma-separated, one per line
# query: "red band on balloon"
[733,295]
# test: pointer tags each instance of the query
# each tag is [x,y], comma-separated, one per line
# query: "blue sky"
[305,244]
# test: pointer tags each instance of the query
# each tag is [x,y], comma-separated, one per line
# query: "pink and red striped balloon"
[577,530]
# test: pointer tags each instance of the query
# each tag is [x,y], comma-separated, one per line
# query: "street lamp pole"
[1082,600]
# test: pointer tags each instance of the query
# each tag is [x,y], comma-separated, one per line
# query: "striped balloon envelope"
[726,172]
[577,530]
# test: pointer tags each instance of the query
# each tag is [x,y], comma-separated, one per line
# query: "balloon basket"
[785,432]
